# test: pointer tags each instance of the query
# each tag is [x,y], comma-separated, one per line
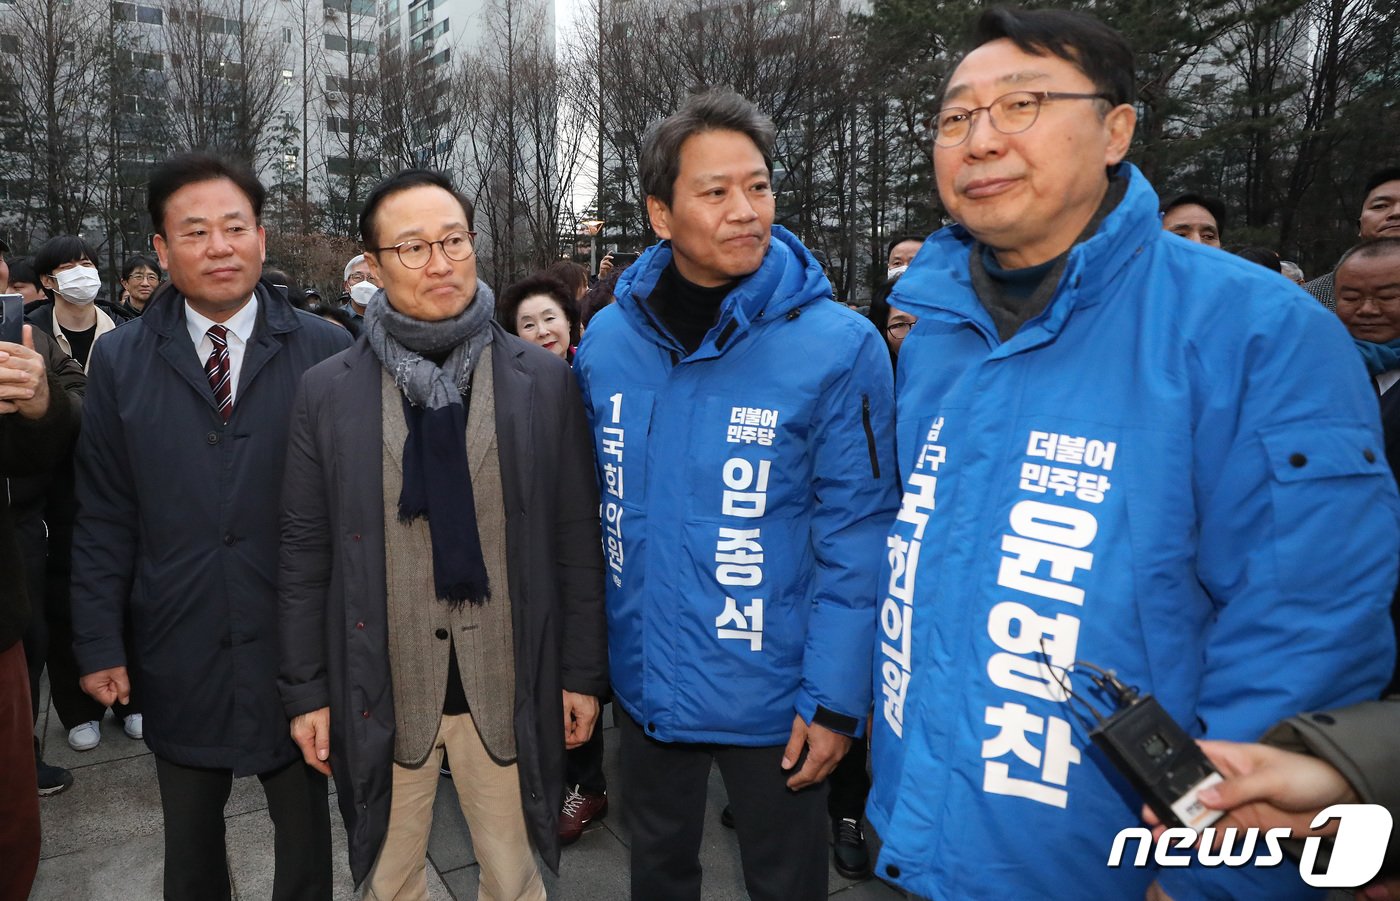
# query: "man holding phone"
[613,264]
[37,422]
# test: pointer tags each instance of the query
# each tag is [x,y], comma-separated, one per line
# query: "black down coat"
[177,528]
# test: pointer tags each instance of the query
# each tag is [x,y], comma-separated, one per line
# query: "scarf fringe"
[458,595]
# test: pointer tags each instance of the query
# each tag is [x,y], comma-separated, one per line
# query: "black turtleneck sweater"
[1015,296]
[687,310]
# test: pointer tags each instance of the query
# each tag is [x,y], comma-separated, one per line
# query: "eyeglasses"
[898,329]
[357,277]
[1009,114]
[414,254]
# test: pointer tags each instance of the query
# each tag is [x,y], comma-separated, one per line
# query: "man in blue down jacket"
[742,423]
[1118,447]
[178,481]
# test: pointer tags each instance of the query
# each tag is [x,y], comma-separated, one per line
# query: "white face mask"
[78,285]
[362,292]
[895,270]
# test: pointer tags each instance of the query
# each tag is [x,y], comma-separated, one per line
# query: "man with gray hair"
[360,286]
[743,429]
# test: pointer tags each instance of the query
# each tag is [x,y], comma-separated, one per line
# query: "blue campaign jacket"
[747,489]
[1175,471]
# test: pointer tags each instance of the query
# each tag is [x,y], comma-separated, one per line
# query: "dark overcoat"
[31,447]
[333,606]
[177,529]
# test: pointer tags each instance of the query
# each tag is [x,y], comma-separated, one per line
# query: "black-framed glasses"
[898,329]
[415,252]
[1009,114]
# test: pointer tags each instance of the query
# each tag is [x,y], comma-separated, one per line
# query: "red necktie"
[217,369]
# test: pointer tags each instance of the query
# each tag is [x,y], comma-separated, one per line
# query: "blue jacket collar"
[939,283]
[789,278]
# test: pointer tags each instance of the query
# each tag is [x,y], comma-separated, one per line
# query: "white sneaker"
[132,727]
[85,737]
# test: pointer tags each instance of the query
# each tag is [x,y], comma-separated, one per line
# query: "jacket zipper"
[869,434]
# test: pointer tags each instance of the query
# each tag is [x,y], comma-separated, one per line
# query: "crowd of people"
[1073,455]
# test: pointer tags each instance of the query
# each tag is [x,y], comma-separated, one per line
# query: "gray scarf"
[437,482]
[400,342]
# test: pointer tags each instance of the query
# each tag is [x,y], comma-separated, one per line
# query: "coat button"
[892,871]
[360,624]
[365,714]
[212,437]
[230,540]
[1325,719]
[1298,461]
[651,727]
[441,633]
[1370,455]
[355,537]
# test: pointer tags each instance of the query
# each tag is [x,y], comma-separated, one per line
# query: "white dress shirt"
[240,332]
[1386,380]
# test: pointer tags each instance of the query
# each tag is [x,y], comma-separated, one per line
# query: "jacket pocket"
[1307,453]
[1330,484]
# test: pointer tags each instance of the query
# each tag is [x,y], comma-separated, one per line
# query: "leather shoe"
[848,852]
[579,810]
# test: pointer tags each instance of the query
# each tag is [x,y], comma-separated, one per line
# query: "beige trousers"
[489,795]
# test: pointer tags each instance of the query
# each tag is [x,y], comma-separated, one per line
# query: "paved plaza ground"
[102,837]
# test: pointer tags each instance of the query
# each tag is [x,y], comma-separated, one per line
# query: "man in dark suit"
[1367,296]
[442,574]
[176,539]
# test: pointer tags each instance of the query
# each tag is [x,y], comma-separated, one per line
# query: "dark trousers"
[782,833]
[33,548]
[19,795]
[850,784]
[196,867]
[48,641]
[583,766]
